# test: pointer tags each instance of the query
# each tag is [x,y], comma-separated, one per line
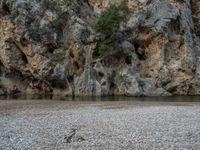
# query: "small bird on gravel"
[68,138]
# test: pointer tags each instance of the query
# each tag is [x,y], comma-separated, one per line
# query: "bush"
[124,10]
[14,14]
[110,19]
[56,58]
[67,2]
[122,80]
[108,23]
[50,4]
[59,23]
[55,4]
[141,83]
[103,47]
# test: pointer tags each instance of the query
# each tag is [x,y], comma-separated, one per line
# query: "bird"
[68,138]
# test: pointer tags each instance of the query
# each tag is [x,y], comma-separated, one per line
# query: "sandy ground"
[108,125]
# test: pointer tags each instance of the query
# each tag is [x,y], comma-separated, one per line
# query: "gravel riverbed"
[111,125]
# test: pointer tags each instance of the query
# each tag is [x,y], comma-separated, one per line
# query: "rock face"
[48,47]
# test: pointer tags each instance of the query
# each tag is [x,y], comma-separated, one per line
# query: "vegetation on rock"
[108,24]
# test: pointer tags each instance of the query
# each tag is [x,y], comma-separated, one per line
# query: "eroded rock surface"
[48,47]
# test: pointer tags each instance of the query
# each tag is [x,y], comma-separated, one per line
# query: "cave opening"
[1,69]
[136,45]
[50,48]
[112,85]
[195,15]
[6,8]
[24,58]
[140,50]
[101,74]
[76,65]
[71,54]
[104,83]
[128,60]
[70,78]
[58,84]
[24,41]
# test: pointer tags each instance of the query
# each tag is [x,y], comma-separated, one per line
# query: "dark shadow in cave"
[140,51]
[1,69]
[6,8]
[128,60]
[50,48]
[24,58]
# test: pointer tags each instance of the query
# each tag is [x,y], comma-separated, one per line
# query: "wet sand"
[101,125]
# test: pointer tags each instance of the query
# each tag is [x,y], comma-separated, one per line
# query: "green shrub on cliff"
[108,23]
[110,19]
[67,2]
[124,9]
[55,58]
[101,49]
[122,80]
[141,83]
[55,4]
[14,14]
[50,5]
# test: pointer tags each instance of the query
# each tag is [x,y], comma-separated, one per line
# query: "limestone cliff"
[51,47]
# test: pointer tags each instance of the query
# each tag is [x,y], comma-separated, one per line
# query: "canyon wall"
[50,46]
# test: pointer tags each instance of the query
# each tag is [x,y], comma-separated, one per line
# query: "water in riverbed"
[107,98]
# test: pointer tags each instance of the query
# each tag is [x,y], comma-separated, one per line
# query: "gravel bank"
[128,125]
